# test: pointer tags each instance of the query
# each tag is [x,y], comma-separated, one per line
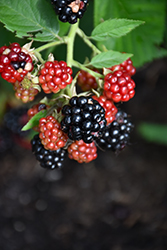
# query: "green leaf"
[31,18]
[108,59]
[156,133]
[114,28]
[34,121]
[144,42]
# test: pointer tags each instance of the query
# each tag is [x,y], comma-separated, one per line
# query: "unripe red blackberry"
[82,152]
[34,110]
[126,66]
[51,135]
[108,105]
[118,86]
[24,94]
[47,158]
[14,63]
[86,81]
[84,119]
[55,76]
[70,10]
[117,134]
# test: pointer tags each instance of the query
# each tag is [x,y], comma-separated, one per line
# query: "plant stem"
[70,53]
[70,43]
[48,45]
[87,41]
[81,66]
[38,55]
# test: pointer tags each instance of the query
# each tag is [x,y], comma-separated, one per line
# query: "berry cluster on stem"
[66,121]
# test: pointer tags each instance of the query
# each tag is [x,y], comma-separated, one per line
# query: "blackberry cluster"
[117,134]
[84,119]
[70,10]
[48,159]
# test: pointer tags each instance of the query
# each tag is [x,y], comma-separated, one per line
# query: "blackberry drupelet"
[117,134]
[47,158]
[70,10]
[84,119]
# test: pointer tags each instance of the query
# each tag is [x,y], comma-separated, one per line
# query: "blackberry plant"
[67,119]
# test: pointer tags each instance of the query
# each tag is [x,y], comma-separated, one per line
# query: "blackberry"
[86,81]
[70,10]
[84,119]
[15,119]
[51,135]
[55,76]
[15,63]
[47,158]
[118,86]
[117,134]
[82,152]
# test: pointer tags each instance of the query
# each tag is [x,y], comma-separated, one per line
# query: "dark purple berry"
[47,158]
[85,121]
[117,134]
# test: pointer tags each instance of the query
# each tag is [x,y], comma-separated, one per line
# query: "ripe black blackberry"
[84,119]
[15,119]
[117,134]
[70,10]
[48,158]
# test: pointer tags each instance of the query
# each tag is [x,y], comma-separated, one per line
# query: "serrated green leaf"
[30,18]
[34,121]
[142,42]
[108,59]
[156,133]
[114,28]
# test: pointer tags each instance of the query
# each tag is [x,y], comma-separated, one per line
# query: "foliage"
[113,31]
[156,133]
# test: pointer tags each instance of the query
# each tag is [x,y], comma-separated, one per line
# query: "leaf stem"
[87,41]
[81,66]
[48,45]
[38,55]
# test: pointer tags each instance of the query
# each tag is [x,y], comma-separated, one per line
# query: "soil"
[117,202]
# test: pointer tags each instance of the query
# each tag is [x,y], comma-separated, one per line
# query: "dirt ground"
[113,203]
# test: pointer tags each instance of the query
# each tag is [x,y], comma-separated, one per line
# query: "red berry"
[51,135]
[126,66]
[118,86]
[55,76]
[86,81]
[14,64]
[108,105]
[82,152]
[26,95]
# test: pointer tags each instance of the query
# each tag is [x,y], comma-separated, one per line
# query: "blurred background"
[116,202]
